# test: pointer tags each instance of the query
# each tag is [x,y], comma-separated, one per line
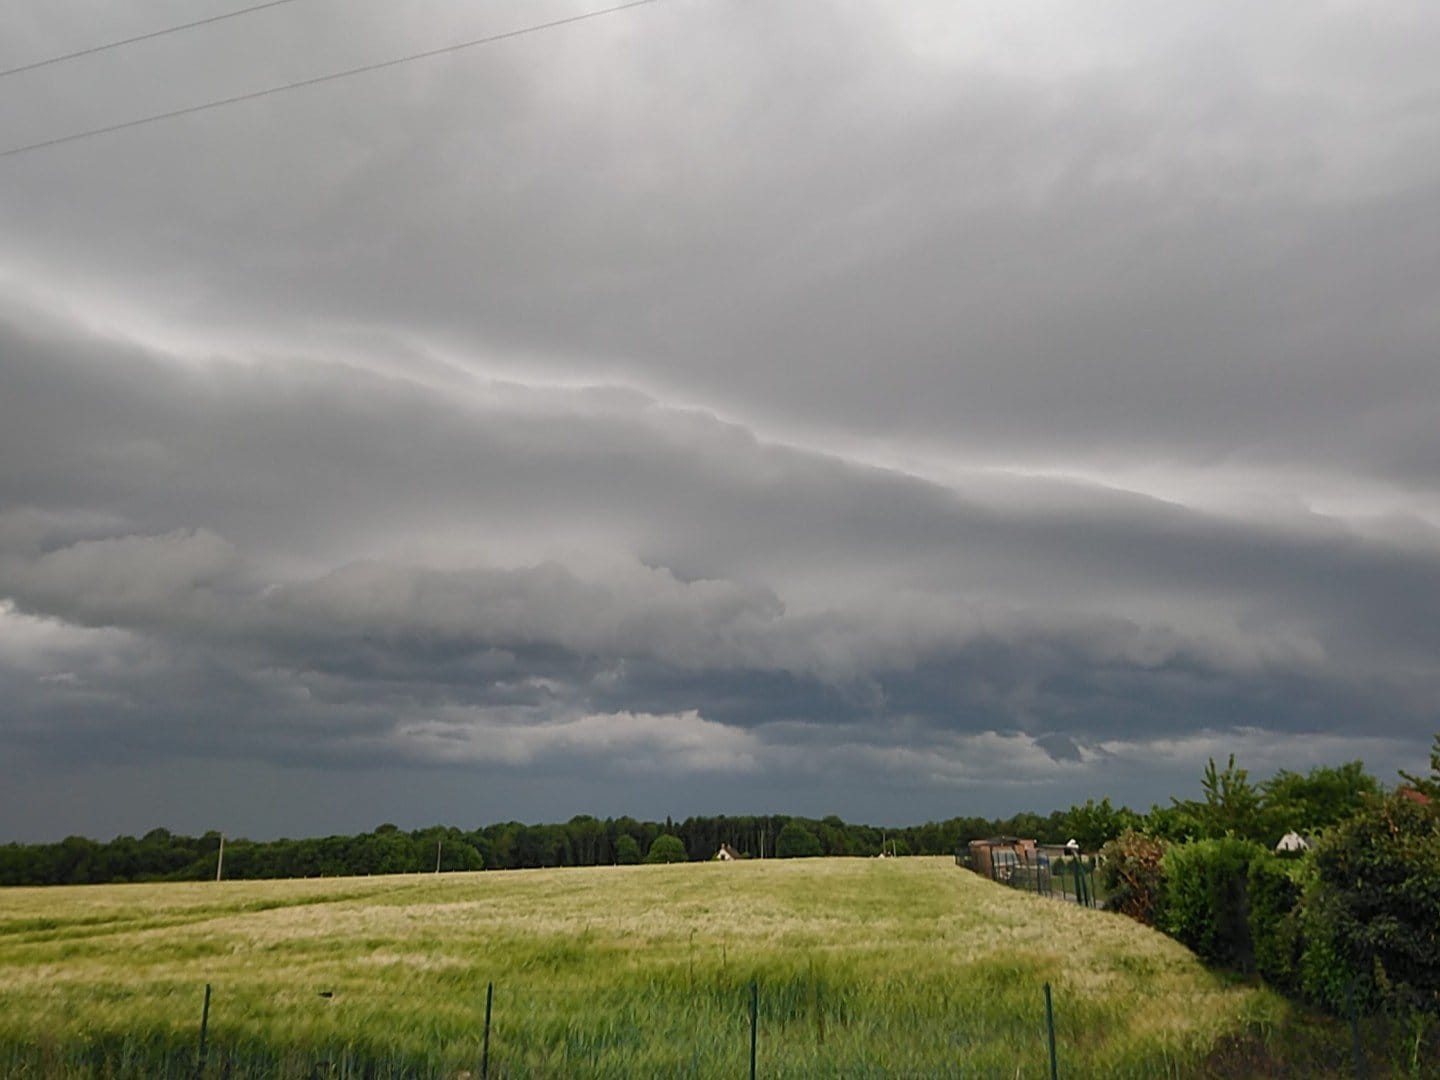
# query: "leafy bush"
[1274,889]
[1371,911]
[1132,873]
[1204,902]
[666,849]
[627,850]
[796,841]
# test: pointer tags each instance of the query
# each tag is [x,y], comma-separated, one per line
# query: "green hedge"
[1204,901]
[1273,887]
[1371,911]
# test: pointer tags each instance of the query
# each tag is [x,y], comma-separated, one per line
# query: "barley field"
[864,967]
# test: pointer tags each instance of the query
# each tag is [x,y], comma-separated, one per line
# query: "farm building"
[996,856]
[727,854]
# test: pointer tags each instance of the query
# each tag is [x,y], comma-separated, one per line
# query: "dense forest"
[1233,805]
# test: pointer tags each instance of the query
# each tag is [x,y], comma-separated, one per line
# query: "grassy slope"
[864,966]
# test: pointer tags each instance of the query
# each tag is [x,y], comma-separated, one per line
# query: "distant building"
[1292,841]
[1417,797]
[727,854]
[998,856]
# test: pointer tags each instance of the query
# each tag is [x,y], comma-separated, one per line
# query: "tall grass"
[865,968]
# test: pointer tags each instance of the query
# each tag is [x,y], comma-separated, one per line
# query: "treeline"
[1232,806]
[161,855]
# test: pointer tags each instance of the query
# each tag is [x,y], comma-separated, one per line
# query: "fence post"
[204,1031]
[754,1021]
[1050,1030]
[485,1044]
[1356,1049]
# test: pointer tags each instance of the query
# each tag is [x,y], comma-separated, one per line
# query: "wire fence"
[995,1020]
[759,1022]
[1061,872]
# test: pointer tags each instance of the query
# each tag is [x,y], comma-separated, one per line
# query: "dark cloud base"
[837,625]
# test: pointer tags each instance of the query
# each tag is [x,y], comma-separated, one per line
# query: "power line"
[92,50]
[316,80]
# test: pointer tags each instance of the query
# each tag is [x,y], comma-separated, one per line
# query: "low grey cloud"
[809,408]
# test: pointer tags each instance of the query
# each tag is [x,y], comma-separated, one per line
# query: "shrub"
[796,841]
[666,849]
[1132,873]
[627,850]
[1371,911]
[1274,889]
[1204,902]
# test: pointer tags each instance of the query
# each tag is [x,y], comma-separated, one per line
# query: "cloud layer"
[896,411]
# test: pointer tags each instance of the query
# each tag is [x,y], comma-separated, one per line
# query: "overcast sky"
[892,409]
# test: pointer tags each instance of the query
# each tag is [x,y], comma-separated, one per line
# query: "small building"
[727,854]
[1292,841]
[997,856]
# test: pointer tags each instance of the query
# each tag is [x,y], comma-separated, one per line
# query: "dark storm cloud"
[854,391]
[1181,239]
[318,627]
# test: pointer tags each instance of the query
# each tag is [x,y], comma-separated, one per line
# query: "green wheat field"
[864,967]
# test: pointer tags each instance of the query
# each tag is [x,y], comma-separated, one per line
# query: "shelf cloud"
[891,410]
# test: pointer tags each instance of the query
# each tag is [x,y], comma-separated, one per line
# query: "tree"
[667,848]
[796,842]
[1232,802]
[627,851]
[1324,797]
[1232,807]
[1429,786]
[1096,824]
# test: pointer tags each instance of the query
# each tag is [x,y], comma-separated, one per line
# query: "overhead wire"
[380,65]
[93,49]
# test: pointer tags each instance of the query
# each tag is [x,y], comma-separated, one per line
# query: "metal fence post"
[485,1044]
[204,1032]
[754,1022]
[1356,1049]
[1050,1030]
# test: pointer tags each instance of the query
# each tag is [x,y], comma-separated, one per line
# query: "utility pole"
[220,857]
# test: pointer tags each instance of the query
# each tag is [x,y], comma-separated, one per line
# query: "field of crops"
[863,967]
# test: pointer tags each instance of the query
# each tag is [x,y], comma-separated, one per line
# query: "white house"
[1293,841]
